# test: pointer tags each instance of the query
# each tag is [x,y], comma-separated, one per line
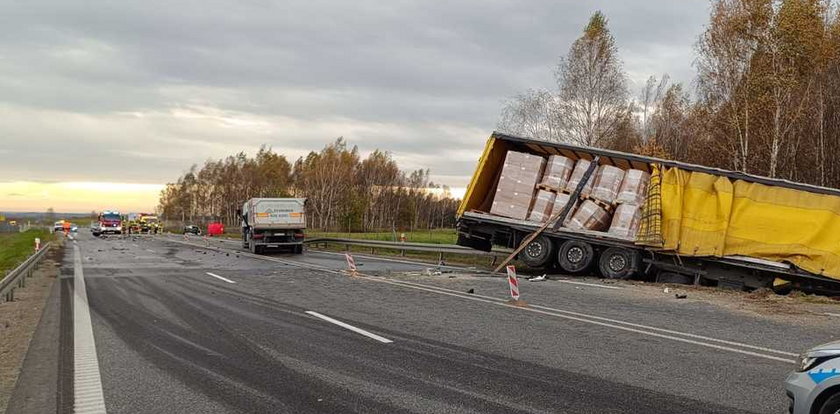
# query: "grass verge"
[16,247]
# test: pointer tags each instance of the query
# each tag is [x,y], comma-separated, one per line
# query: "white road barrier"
[351,264]
[514,284]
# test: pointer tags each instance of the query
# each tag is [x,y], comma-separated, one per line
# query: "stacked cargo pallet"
[534,190]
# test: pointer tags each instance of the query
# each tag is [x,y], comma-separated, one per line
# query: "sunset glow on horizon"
[78,196]
[87,196]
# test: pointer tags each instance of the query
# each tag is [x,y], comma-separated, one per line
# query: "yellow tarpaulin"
[707,215]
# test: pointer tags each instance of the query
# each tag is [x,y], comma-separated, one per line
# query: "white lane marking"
[635,325]
[587,284]
[150,250]
[87,383]
[557,312]
[350,327]
[594,322]
[220,278]
[832,314]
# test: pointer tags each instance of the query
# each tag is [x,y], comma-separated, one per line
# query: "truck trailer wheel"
[575,256]
[618,263]
[538,252]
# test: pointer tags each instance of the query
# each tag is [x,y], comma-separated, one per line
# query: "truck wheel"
[575,256]
[618,263]
[298,249]
[538,252]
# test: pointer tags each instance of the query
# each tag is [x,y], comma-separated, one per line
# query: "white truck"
[273,223]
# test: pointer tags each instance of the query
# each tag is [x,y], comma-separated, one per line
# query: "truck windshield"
[110,217]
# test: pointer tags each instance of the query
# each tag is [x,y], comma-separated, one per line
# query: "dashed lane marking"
[350,327]
[220,277]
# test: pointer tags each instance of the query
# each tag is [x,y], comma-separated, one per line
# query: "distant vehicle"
[814,387]
[58,226]
[192,229]
[215,228]
[74,228]
[149,224]
[273,223]
[142,223]
[95,227]
[109,222]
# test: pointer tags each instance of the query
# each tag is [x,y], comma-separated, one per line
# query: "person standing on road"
[66,227]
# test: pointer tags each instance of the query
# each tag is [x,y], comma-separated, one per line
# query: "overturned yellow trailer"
[699,224]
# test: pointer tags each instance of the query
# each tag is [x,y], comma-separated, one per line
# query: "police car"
[814,388]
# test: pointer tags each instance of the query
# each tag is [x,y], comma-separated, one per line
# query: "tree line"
[344,191]
[766,98]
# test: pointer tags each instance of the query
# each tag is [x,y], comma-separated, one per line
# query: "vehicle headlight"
[811,359]
[805,362]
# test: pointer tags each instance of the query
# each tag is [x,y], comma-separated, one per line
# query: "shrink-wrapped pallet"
[607,183]
[634,187]
[517,183]
[577,174]
[557,171]
[560,201]
[625,221]
[589,216]
[543,203]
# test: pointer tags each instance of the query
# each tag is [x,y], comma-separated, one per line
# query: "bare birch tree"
[593,89]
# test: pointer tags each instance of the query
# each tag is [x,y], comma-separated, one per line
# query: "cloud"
[138,91]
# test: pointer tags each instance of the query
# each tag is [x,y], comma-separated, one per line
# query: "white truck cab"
[273,223]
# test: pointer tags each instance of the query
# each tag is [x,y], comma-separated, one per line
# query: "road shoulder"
[28,342]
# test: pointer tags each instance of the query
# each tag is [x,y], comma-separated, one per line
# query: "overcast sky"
[136,92]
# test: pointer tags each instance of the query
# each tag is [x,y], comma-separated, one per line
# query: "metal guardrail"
[441,249]
[402,247]
[17,277]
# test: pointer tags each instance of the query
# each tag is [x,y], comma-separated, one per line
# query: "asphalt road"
[180,328]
